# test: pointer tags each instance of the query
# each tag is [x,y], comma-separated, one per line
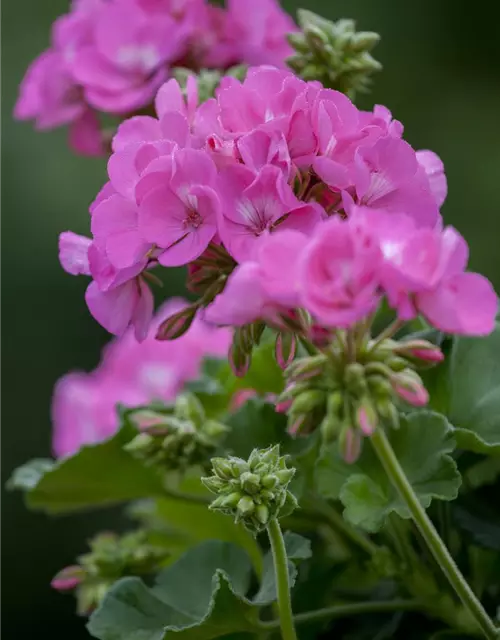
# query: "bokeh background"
[441,78]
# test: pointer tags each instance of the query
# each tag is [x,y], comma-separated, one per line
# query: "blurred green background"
[441,78]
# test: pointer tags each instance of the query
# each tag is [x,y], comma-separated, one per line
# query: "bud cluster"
[207,80]
[253,491]
[176,438]
[349,397]
[333,53]
[110,558]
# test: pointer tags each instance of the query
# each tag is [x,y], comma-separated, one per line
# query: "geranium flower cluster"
[130,374]
[279,195]
[111,56]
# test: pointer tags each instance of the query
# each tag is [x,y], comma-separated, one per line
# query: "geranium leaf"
[422,444]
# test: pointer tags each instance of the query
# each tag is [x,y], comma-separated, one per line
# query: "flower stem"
[388,332]
[344,610]
[282,582]
[443,557]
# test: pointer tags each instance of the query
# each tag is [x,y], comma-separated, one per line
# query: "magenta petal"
[73,253]
[465,304]
[169,99]
[85,135]
[192,245]
[136,129]
[434,168]
[161,217]
[333,173]
[113,309]
[143,312]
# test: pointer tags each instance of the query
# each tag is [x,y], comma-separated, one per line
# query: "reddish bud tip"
[350,444]
[410,390]
[177,324]
[68,578]
[285,349]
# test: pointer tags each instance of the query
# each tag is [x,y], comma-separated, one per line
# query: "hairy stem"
[438,549]
[282,581]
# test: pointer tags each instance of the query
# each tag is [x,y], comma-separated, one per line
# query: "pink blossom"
[180,217]
[131,373]
[387,177]
[340,271]
[83,412]
[253,205]
[260,31]
[263,287]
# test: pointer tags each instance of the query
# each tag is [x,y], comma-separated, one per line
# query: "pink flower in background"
[259,32]
[131,373]
[73,253]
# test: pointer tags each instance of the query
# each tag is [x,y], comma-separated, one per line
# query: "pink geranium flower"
[253,205]
[340,273]
[180,217]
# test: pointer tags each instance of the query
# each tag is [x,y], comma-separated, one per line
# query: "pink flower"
[340,271]
[180,216]
[260,32]
[253,205]
[83,412]
[131,373]
[387,177]
[263,287]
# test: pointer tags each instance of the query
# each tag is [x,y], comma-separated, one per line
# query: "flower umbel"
[253,491]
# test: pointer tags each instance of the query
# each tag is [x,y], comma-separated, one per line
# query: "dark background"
[441,78]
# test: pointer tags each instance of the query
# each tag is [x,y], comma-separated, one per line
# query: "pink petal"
[434,168]
[113,309]
[170,99]
[136,129]
[85,135]
[143,312]
[465,304]
[73,253]
[190,247]
[161,217]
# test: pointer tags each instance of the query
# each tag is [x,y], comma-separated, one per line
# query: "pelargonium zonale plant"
[302,443]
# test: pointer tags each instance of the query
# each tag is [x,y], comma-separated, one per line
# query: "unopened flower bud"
[188,407]
[420,350]
[410,388]
[257,492]
[239,361]
[222,468]
[250,482]
[245,506]
[350,444]
[354,378]
[366,416]
[140,444]
[177,324]
[305,368]
[397,364]
[308,401]
[379,386]
[213,429]
[68,578]
[285,348]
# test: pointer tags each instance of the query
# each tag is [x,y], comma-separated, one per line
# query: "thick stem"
[345,610]
[282,581]
[443,557]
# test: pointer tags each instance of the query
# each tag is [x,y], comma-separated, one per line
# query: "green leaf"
[297,548]
[422,445]
[98,475]
[200,597]
[28,475]
[255,425]
[484,531]
[484,472]
[474,381]
[193,523]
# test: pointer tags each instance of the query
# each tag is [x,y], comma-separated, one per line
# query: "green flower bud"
[245,506]
[189,408]
[222,468]
[308,401]
[141,444]
[253,492]
[354,378]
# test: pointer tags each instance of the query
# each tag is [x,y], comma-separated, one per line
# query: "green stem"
[443,557]
[308,346]
[338,523]
[345,610]
[282,582]
[388,332]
